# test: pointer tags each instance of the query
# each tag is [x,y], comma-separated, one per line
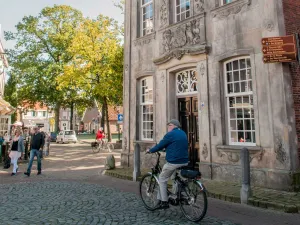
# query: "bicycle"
[102,146]
[189,191]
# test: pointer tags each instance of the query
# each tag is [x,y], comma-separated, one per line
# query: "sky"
[12,11]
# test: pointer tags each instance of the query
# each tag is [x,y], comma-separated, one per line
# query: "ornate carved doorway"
[186,82]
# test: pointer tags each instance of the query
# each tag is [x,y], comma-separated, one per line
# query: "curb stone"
[263,202]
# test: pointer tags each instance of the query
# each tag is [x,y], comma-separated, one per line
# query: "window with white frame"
[186,82]
[147,16]
[239,98]
[183,9]
[146,108]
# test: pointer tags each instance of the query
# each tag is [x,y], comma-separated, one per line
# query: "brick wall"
[291,9]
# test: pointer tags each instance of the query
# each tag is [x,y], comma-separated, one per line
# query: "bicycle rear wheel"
[96,148]
[110,147]
[149,189]
[193,201]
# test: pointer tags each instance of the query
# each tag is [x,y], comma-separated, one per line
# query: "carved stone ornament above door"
[234,7]
[183,38]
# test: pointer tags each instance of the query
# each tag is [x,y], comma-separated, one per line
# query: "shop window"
[146,108]
[186,82]
[147,16]
[182,9]
[239,99]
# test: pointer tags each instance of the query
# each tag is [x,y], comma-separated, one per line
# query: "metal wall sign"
[279,49]
[120,118]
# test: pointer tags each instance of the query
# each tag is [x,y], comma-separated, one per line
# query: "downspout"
[209,119]
[128,10]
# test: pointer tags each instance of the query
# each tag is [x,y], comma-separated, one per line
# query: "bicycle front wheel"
[193,201]
[110,147]
[149,190]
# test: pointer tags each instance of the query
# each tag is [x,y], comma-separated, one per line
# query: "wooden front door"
[188,117]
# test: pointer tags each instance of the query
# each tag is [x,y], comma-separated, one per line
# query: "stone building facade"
[200,61]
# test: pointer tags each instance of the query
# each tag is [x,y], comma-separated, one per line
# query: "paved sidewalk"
[288,202]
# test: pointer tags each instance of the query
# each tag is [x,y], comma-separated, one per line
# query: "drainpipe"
[209,119]
[128,10]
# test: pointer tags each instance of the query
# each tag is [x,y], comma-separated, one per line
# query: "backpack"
[6,163]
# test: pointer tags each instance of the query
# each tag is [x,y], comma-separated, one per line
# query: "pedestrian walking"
[16,150]
[36,146]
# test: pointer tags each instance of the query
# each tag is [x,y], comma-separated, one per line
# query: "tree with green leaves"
[41,53]
[10,94]
[97,67]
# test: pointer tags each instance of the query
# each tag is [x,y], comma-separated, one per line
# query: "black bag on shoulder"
[6,163]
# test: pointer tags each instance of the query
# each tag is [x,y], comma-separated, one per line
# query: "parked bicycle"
[188,192]
[103,146]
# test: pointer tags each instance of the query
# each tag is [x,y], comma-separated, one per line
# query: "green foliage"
[97,67]
[10,93]
[41,52]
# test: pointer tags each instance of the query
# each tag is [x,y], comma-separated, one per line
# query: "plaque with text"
[279,49]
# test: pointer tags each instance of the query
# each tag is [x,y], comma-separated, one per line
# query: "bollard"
[137,160]
[246,188]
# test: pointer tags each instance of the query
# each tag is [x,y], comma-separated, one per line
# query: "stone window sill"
[144,39]
[229,8]
[232,152]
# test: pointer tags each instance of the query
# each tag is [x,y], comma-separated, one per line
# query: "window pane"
[241,137]
[248,63]
[242,64]
[230,88]
[232,114]
[248,137]
[247,124]
[232,102]
[229,66]
[229,77]
[244,86]
[253,124]
[236,76]
[237,88]
[243,75]
[234,137]
[253,137]
[239,113]
[233,125]
[235,65]
[247,113]
[249,76]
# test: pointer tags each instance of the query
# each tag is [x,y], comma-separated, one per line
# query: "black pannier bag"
[191,174]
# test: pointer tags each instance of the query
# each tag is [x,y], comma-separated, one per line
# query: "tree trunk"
[107,119]
[57,108]
[103,116]
[71,115]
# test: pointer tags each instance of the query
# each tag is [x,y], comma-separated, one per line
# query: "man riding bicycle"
[176,144]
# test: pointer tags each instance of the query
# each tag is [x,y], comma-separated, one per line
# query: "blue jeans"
[35,152]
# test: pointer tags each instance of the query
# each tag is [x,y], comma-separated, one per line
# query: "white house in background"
[5,108]
[37,115]
[64,119]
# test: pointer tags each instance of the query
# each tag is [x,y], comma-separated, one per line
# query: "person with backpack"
[16,150]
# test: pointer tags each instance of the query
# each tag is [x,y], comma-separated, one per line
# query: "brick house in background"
[201,62]
[91,119]
[291,10]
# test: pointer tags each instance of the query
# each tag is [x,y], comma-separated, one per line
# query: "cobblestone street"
[72,190]
[74,203]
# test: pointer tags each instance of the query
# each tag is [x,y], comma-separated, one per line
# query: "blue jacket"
[176,145]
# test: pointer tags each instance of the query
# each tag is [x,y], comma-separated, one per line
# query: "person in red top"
[100,135]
